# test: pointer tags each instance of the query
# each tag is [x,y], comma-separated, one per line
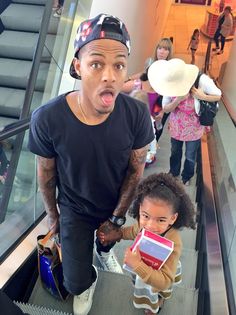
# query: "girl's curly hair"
[169,189]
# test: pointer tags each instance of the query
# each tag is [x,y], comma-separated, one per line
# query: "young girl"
[193,44]
[163,207]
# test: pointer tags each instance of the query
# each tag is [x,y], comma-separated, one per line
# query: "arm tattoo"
[47,183]
[133,176]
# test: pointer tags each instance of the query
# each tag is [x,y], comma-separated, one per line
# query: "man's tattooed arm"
[133,176]
[108,232]
[47,184]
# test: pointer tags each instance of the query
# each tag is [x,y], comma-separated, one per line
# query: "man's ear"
[76,63]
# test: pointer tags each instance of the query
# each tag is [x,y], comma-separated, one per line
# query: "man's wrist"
[117,220]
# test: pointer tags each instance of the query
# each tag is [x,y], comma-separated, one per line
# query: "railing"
[207,57]
[36,60]
[15,128]
[212,285]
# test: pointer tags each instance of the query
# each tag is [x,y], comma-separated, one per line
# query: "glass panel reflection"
[24,206]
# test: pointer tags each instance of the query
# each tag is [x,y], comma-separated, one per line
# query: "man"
[92,146]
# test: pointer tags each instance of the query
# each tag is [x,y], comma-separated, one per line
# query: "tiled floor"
[182,20]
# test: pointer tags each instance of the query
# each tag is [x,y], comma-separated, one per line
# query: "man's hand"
[53,221]
[108,233]
[132,259]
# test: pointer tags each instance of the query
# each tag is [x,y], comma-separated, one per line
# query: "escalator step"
[38,310]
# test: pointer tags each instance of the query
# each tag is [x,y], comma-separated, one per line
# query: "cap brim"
[73,73]
[165,87]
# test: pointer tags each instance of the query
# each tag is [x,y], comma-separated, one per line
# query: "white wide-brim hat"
[172,77]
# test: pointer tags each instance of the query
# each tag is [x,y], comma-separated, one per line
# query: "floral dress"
[184,123]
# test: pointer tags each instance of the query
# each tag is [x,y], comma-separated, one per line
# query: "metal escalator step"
[38,310]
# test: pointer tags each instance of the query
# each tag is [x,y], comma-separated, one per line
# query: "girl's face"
[156,215]
[162,53]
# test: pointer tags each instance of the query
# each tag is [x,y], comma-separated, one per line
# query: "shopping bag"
[50,266]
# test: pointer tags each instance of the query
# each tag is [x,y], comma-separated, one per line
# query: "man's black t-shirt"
[91,161]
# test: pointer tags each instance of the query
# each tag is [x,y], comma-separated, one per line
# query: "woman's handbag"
[207,110]
[50,266]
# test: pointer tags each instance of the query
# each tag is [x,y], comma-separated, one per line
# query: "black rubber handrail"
[217,300]
[14,128]
[207,58]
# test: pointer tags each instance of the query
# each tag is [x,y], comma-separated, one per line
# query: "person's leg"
[216,38]
[190,158]
[222,40]
[77,239]
[163,121]
[176,156]
[193,56]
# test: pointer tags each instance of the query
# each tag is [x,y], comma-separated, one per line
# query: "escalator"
[202,257]
[206,288]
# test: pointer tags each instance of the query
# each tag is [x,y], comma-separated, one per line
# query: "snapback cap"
[103,26]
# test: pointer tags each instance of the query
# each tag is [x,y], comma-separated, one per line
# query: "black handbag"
[207,110]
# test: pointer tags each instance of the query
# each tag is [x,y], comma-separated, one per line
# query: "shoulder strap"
[196,83]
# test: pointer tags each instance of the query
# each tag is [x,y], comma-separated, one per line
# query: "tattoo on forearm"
[47,182]
[134,174]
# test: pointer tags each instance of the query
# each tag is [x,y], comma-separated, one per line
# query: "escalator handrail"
[37,59]
[207,58]
[217,283]
[15,128]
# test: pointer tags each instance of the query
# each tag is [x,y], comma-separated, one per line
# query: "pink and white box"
[154,249]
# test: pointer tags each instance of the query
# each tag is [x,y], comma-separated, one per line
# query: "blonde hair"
[167,44]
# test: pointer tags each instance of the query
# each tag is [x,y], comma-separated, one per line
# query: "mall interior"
[36,49]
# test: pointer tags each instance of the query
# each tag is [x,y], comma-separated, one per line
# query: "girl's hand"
[108,233]
[132,259]
[198,93]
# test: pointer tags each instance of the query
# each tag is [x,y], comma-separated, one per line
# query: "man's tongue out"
[107,98]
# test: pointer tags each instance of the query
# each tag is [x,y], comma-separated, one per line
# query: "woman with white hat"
[176,83]
[139,82]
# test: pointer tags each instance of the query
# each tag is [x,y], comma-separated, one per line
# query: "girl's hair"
[195,31]
[167,44]
[169,189]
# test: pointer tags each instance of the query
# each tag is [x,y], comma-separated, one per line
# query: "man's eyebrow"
[103,55]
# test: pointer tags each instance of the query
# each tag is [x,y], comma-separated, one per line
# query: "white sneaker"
[58,13]
[109,261]
[82,303]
